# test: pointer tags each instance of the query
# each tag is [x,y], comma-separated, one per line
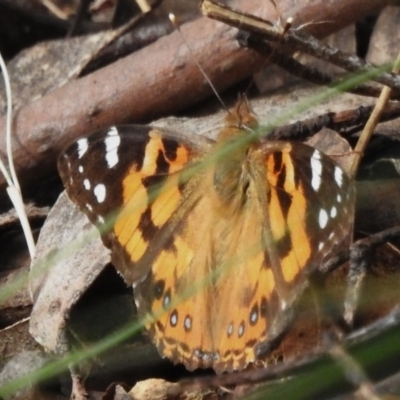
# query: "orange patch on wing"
[272,177]
[153,147]
[293,263]
[135,203]
[166,202]
[290,266]
[267,280]
[136,246]
[289,184]
[132,184]
[185,255]
[182,157]
[300,240]
[156,145]
[277,221]
[295,223]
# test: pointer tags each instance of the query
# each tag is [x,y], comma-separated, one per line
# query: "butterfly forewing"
[117,176]
[310,207]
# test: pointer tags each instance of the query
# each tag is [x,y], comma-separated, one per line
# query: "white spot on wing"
[80,169]
[339,198]
[166,301]
[83,145]
[316,169]
[241,330]
[100,192]
[253,317]
[112,141]
[333,212]
[174,319]
[323,218]
[339,176]
[321,246]
[86,184]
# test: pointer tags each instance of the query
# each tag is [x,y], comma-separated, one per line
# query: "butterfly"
[216,237]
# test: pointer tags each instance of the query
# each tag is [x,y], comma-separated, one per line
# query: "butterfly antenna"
[177,27]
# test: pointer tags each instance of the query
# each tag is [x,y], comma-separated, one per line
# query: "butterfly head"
[241,116]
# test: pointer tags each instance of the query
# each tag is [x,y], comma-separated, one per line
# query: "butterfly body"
[215,237]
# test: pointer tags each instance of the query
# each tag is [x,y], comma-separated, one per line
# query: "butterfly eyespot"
[254,315]
[241,329]
[159,287]
[173,320]
[188,323]
[264,307]
[290,207]
[230,329]
[167,298]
